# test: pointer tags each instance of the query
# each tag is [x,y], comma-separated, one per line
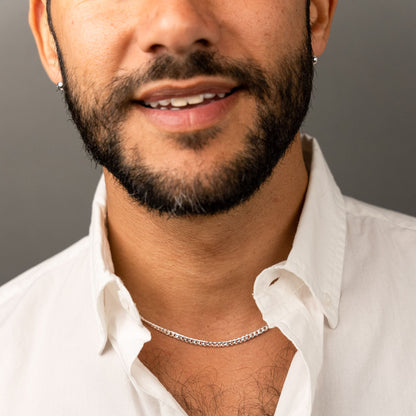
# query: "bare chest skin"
[243,380]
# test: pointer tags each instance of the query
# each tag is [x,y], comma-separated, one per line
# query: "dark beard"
[282,100]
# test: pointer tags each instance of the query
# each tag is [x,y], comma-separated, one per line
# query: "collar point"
[102,340]
[102,344]
[332,319]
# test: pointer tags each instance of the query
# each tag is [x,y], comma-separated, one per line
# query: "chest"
[245,380]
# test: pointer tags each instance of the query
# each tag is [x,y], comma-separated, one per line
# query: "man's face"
[189,104]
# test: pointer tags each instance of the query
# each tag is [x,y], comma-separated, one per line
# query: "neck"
[185,272]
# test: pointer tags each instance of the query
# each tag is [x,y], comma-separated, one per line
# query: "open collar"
[316,257]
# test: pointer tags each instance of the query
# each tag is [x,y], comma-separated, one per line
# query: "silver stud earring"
[315,60]
[60,86]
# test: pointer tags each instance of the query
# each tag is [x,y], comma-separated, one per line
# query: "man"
[224,272]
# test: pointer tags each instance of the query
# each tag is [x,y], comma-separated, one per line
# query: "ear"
[321,15]
[38,21]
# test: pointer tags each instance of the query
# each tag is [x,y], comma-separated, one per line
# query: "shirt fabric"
[70,333]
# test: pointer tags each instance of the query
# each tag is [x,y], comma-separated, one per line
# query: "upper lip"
[171,89]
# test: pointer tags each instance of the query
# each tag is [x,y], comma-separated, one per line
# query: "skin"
[199,280]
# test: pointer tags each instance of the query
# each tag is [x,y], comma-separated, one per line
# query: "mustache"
[247,74]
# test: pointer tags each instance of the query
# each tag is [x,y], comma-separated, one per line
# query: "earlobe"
[38,21]
[321,15]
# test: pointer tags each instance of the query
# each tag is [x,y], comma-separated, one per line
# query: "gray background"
[363,113]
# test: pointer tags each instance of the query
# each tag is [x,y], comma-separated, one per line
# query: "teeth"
[179,102]
[156,104]
[196,99]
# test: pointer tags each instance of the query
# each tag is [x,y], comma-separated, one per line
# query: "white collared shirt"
[70,333]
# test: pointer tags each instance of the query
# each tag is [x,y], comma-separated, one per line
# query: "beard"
[281,94]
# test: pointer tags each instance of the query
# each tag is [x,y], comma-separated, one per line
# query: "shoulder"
[358,210]
[381,233]
[42,278]
[380,260]
[47,313]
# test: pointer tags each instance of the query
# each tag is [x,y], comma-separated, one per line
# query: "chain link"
[204,343]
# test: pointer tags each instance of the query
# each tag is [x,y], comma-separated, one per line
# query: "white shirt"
[70,333]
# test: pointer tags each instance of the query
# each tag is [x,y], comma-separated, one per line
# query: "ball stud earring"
[315,60]
[60,86]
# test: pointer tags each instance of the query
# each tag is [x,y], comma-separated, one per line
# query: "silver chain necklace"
[204,343]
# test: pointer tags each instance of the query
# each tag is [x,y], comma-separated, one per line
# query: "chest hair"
[231,384]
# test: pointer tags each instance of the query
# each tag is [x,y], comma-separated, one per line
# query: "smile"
[182,108]
[178,103]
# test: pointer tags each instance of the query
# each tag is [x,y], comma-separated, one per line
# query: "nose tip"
[179,27]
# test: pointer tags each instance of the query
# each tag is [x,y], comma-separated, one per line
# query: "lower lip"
[196,118]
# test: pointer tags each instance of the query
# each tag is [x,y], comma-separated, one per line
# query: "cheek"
[263,29]
[96,45]
[99,38]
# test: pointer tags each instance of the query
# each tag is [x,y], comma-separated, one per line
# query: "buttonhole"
[274,281]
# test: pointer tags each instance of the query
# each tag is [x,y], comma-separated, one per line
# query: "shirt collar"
[108,291]
[101,262]
[316,257]
[317,254]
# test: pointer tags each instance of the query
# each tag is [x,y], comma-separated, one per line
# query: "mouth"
[186,102]
[187,107]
